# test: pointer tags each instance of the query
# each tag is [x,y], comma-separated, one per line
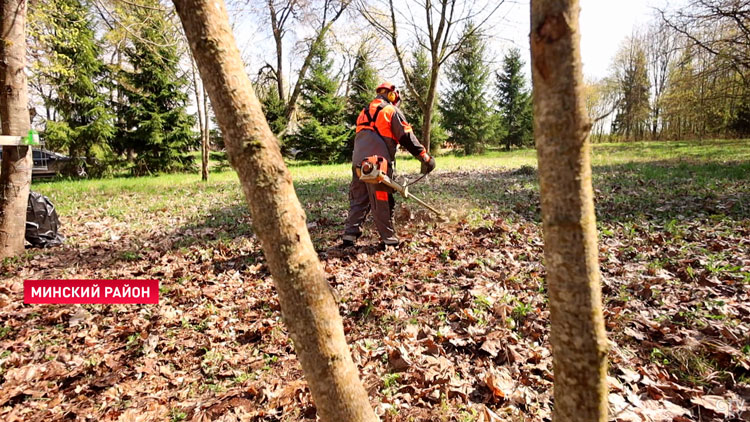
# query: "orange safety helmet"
[392,95]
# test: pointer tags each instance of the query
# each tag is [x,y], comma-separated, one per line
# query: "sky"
[604,25]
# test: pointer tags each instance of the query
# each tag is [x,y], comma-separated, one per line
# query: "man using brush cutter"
[381,127]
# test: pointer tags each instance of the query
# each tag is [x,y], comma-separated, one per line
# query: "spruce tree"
[273,107]
[364,80]
[514,101]
[324,134]
[363,84]
[156,124]
[64,31]
[419,75]
[466,110]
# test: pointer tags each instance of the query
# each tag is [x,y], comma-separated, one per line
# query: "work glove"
[428,165]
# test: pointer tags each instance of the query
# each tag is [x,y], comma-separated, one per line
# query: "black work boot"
[383,246]
[348,241]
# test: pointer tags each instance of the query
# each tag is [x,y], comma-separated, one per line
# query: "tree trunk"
[205,136]
[279,66]
[430,103]
[426,127]
[201,118]
[15,170]
[204,157]
[277,30]
[561,128]
[307,304]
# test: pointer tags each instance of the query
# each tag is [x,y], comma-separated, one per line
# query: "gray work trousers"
[364,197]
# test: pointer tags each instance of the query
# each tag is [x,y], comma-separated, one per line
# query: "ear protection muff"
[392,96]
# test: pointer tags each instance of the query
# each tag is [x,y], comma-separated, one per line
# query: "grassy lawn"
[682,165]
[435,327]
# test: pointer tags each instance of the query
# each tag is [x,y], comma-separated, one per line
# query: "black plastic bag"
[42,222]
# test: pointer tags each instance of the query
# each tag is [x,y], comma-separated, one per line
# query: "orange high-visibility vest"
[368,118]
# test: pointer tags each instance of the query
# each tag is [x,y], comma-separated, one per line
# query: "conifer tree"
[419,75]
[64,32]
[466,110]
[514,101]
[324,134]
[363,84]
[157,127]
[274,107]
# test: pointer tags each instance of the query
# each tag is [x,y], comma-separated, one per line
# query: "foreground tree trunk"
[15,170]
[561,128]
[307,304]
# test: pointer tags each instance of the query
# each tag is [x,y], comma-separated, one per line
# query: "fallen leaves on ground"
[453,326]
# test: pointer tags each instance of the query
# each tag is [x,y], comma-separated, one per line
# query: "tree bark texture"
[561,128]
[15,170]
[309,309]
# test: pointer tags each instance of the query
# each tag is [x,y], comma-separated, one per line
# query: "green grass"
[664,180]
[687,157]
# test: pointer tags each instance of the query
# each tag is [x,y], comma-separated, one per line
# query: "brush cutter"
[374,170]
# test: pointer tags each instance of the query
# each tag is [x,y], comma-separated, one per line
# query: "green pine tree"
[273,107]
[363,84]
[466,110]
[419,75]
[64,31]
[514,101]
[323,135]
[156,124]
[364,80]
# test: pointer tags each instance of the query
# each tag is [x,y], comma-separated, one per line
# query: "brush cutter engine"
[373,169]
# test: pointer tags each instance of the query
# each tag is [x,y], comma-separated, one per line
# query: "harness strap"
[372,118]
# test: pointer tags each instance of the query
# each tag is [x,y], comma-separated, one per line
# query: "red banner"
[91,291]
